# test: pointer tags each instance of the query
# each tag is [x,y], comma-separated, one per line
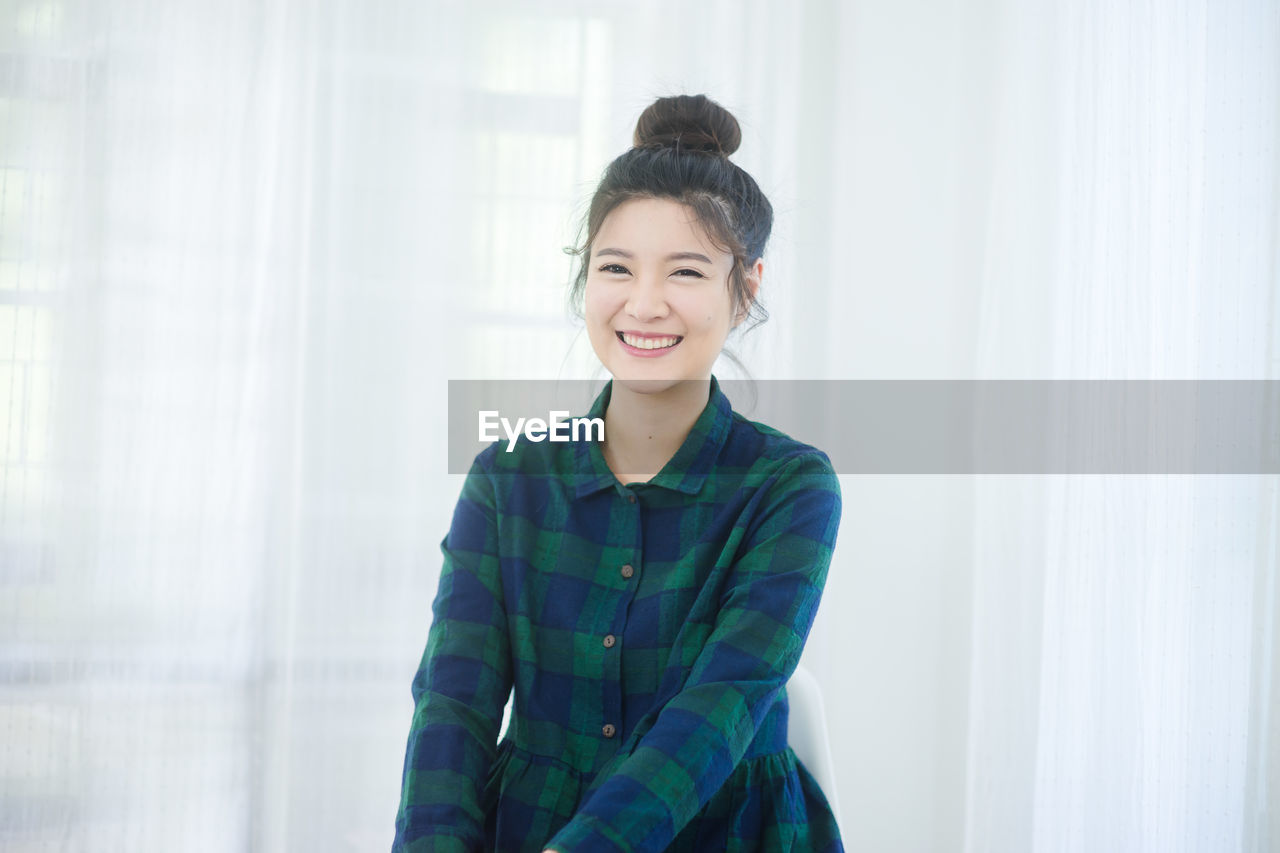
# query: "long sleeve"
[461,685]
[701,734]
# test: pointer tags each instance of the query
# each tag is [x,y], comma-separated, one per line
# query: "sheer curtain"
[1122,676]
[244,246]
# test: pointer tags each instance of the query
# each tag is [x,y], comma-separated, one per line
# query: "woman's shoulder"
[522,475]
[547,455]
[772,450]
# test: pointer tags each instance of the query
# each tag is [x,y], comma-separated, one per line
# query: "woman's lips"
[656,352]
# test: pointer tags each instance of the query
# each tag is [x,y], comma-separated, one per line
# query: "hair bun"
[689,122]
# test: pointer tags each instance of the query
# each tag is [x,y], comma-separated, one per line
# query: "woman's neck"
[643,431]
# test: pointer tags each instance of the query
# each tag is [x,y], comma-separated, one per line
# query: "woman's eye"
[619,269]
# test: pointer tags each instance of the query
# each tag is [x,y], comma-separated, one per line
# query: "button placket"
[613,703]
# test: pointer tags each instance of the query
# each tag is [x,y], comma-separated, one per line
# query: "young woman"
[648,596]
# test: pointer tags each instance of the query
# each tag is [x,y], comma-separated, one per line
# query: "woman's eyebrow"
[674,256]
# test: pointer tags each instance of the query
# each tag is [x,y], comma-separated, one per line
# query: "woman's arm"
[461,685]
[703,732]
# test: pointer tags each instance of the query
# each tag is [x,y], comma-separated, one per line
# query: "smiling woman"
[658,320]
[648,601]
[671,309]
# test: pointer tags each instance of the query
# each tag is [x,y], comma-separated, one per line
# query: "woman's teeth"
[649,343]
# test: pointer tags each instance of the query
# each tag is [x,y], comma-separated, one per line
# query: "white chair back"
[807,733]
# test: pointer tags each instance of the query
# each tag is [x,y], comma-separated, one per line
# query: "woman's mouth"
[648,346]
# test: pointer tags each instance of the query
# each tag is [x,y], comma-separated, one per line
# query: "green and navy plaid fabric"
[648,631]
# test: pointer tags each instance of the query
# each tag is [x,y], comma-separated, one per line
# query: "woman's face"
[657,303]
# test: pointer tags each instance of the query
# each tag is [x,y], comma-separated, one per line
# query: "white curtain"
[244,245]
[1123,663]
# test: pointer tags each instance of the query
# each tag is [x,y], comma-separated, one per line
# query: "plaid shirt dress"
[647,630]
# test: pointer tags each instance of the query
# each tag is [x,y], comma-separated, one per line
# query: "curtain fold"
[1121,631]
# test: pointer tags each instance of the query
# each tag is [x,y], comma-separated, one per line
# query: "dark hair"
[681,151]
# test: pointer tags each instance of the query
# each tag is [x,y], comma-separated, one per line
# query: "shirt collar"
[684,472]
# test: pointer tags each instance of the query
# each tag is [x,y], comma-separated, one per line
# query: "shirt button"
[608,730]
[609,640]
[628,571]
[631,498]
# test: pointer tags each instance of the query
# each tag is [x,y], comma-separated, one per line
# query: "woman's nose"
[647,300]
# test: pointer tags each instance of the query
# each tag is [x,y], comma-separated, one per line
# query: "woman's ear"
[754,275]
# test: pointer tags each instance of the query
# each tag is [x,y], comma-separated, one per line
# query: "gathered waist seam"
[513,745]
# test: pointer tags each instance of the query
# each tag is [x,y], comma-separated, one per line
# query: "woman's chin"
[649,383]
[644,384]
